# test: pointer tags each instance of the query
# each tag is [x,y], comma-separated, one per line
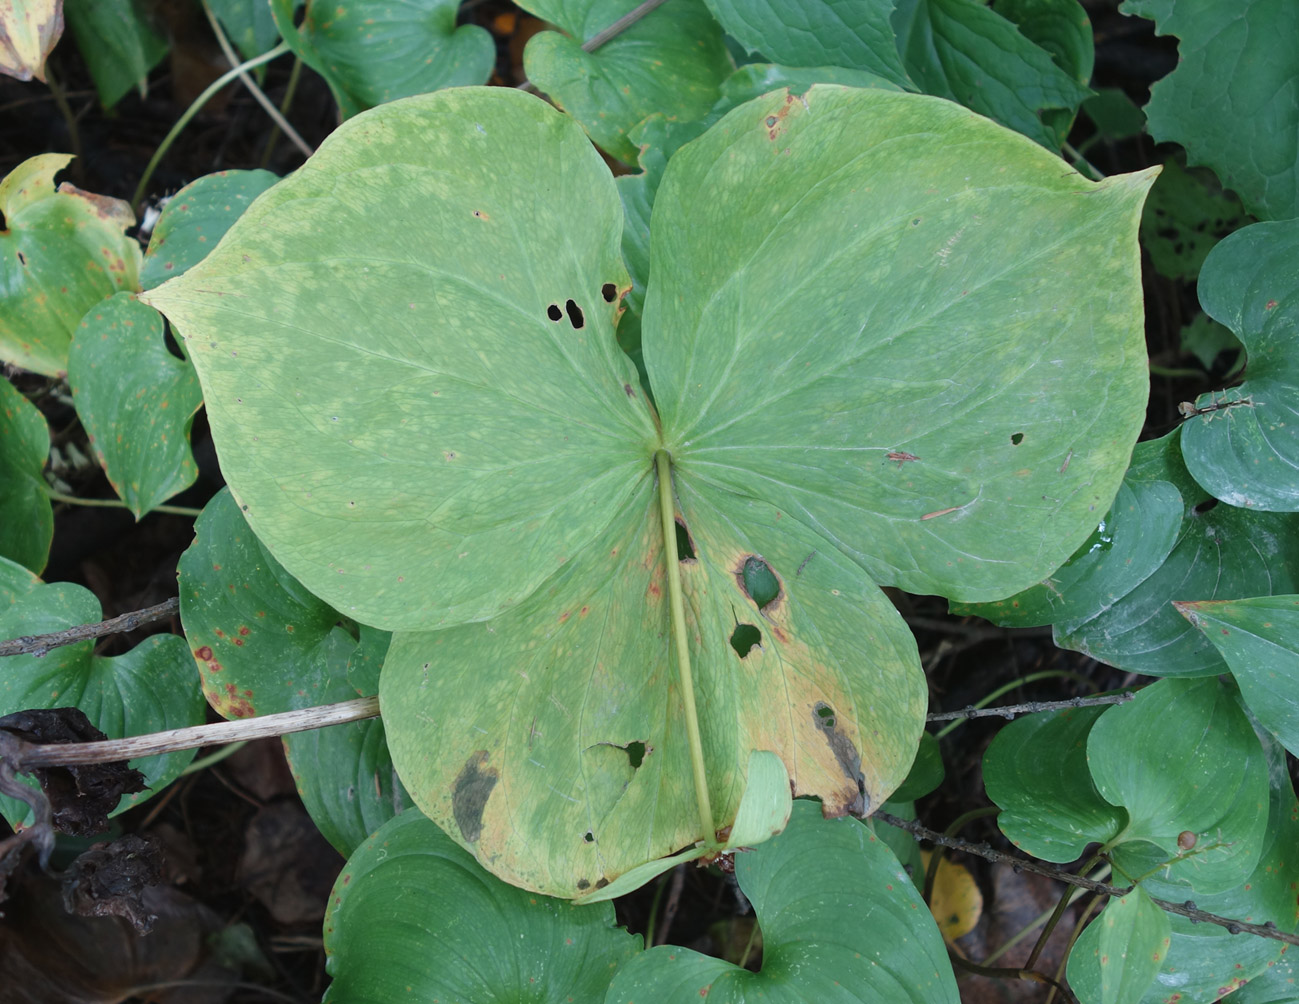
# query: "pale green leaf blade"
[966,52]
[1118,955]
[1183,760]
[118,40]
[194,220]
[1036,770]
[1222,552]
[149,689]
[500,427]
[1248,130]
[462,935]
[1242,444]
[26,519]
[1259,638]
[817,33]
[671,61]
[973,488]
[29,29]
[136,401]
[62,251]
[841,922]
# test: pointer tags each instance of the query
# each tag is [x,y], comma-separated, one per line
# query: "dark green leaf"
[248,23]
[196,218]
[118,42]
[1060,27]
[840,921]
[461,934]
[1206,339]
[26,519]
[136,401]
[926,774]
[1186,215]
[1242,444]
[1120,952]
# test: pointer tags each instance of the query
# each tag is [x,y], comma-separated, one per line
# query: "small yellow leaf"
[956,903]
[29,29]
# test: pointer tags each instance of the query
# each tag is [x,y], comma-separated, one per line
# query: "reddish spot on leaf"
[238,641]
[1270,304]
[204,653]
[565,615]
[243,630]
[220,633]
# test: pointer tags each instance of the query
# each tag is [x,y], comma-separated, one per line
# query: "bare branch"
[1187,909]
[1030,707]
[39,644]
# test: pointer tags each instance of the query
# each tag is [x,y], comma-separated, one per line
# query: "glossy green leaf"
[136,401]
[899,841]
[926,773]
[29,30]
[263,644]
[864,435]
[1119,953]
[670,61]
[149,689]
[1128,546]
[374,51]
[1259,638]
[1061,27]
[966,52]
[1221,552]
[1182,758]
[1186,215]
[119,43]
[1277,984]
[1206,961]
[63,251]
[1242,444]
[196,218]
[1247,132]
[249,23]
[816,33]
[437,433]
[15,581]
[1036,771]
[840,920]
[26,519]
[413,916]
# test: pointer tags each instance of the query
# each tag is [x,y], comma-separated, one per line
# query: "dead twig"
[1028,708]
[39,644]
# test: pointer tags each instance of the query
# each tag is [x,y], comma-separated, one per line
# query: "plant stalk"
[680,641]
[175,510]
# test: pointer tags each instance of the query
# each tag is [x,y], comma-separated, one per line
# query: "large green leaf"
[1117,957]
[196,218]
[840,919]
[1183,760]
[26,519]
[966,52]
[1036,770]
[149,689]
[136,401]
[1221,552]
[1061,27]
[866,436]
[1206,961]
[61,252]
[373,51]
[413,916]
[118,42]
[1242,444]
[1259,638]
[670,61]
[421,407]
[1233,100]
[844,33]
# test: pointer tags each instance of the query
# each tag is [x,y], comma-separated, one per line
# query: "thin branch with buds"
[1029,707]
[40,644]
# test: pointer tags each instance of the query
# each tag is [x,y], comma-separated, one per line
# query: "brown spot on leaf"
[204,653]
[823,717]
[469,794]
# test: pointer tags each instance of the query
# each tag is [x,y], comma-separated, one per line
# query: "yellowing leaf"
[956,902]
[29,29]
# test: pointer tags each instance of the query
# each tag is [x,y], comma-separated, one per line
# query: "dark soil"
[248,874]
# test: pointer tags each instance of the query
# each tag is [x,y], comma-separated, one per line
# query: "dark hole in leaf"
[169,340]
[685,548]
[635,754]
[1016,438]
[22,259]
[584,883]
[574,314]
[744,637]
[826,714]
[609,291]
[589,837]
[760,581]
[553,311]
[1200,508]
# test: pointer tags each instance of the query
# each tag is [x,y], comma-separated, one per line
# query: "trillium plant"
[599,483]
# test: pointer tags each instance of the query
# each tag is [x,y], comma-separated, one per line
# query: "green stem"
[1056,914]
[1047,674]
[748,948]
[1075,894]
[175,510]
[680,642]
[193,110]
[289,91]
[203,763]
